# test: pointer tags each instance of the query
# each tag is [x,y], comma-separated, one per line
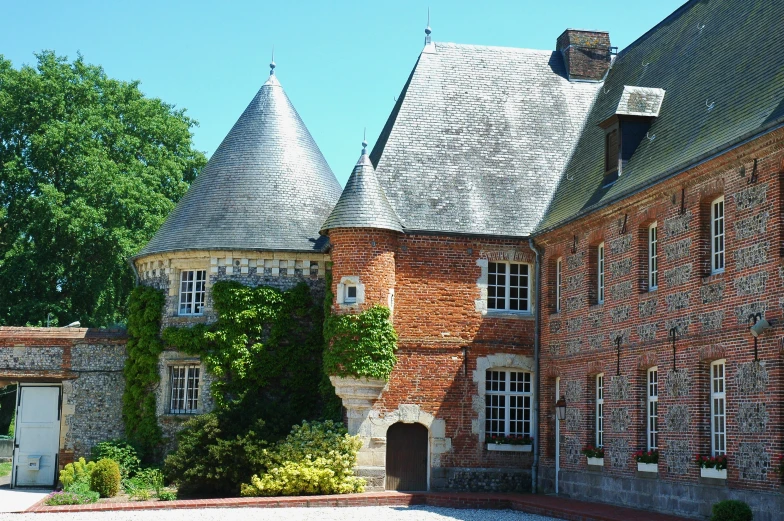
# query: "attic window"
[611,154]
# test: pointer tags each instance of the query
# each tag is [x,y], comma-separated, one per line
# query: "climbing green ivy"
[359,345]
[145,306]
[265,351]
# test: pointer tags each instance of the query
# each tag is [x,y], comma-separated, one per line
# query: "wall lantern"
[560,408]
[759,326]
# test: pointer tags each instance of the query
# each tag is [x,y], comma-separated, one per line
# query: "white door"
[37,440]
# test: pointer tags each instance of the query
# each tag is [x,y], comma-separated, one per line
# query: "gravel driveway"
[284,514]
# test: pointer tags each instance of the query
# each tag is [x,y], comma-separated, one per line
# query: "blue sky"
[341,63]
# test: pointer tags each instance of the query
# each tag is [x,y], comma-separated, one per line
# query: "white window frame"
[718,405]
[184,385]
[600,274]
[717,235]
[508,287]
[652,410]
[501,400]
[599,417]
[653,257]
[558,282]
[347,298]
[192,292]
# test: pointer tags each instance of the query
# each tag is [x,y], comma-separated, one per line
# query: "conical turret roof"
[267,187]
[363,203]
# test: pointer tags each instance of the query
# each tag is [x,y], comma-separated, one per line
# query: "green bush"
[731,510]
[70,498]
[316,458]
[167,495]
[121,452]
[105,478]
[210,462]
[360,345]
[150,479]
[77,472]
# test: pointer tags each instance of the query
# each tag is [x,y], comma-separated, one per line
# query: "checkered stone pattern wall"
[710,313]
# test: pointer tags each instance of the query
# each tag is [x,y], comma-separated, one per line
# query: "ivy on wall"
[360,344]
[265,351]
[145,306]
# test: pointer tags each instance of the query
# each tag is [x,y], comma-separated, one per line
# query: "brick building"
[603,227]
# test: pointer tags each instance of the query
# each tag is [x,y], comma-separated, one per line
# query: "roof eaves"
[712,154]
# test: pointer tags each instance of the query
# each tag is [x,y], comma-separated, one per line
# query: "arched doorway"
[407,458]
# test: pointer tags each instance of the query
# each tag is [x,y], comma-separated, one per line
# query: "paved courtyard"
[282,514]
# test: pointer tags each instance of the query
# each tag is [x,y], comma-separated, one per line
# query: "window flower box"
[599,462]
[595,455]
[712,466]
[513,443]
[509,448]
[648,467]
[713,473]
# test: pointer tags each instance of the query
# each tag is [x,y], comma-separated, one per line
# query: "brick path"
[568,509]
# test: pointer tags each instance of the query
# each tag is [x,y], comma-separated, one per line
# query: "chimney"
[587,54]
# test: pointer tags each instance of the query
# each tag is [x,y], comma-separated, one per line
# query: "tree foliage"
[89,168]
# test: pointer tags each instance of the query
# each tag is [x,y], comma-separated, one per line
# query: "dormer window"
[611,154]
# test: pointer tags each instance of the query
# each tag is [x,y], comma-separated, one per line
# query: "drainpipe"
[537,321]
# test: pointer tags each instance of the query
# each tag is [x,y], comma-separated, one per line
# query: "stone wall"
[87,363]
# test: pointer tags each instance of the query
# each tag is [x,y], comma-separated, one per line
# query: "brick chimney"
[586,54]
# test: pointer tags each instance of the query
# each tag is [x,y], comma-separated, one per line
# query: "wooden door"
[407,458]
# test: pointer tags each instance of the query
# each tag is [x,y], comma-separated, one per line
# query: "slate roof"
[267,187]
[478,139]
[721,64]
[363,203]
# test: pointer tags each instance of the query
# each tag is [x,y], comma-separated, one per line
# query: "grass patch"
[5,469]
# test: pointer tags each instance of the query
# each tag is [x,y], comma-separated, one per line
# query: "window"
[600,410]
[558,282]
[192,292]
[508,403]
[717,235]
[600,274]
[351,294]
[653,408]
[508,286]
[653,257]
[184,383]
[718,410]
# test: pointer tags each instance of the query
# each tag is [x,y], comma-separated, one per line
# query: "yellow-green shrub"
[105,478]
[78,471]
[316,458]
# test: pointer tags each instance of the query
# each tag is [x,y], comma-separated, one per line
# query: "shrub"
[316,458]
[209,462]
[121,452]
[167,495]
[76,472]
[71,498]
[731,510]
[360,345]
[105,478]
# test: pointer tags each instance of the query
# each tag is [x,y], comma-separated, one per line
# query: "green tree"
[89,168]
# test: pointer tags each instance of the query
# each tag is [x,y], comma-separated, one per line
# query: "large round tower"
[252,215]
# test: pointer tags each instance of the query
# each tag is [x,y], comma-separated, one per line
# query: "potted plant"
[512,443]
[778,465]
[712,466]
[595,455]
[647,461]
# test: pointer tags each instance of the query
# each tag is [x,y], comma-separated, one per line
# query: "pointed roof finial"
[364,142]
[272,63]
[428,30]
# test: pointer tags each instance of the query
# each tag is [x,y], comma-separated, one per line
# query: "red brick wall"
[700,344]
[435,316]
